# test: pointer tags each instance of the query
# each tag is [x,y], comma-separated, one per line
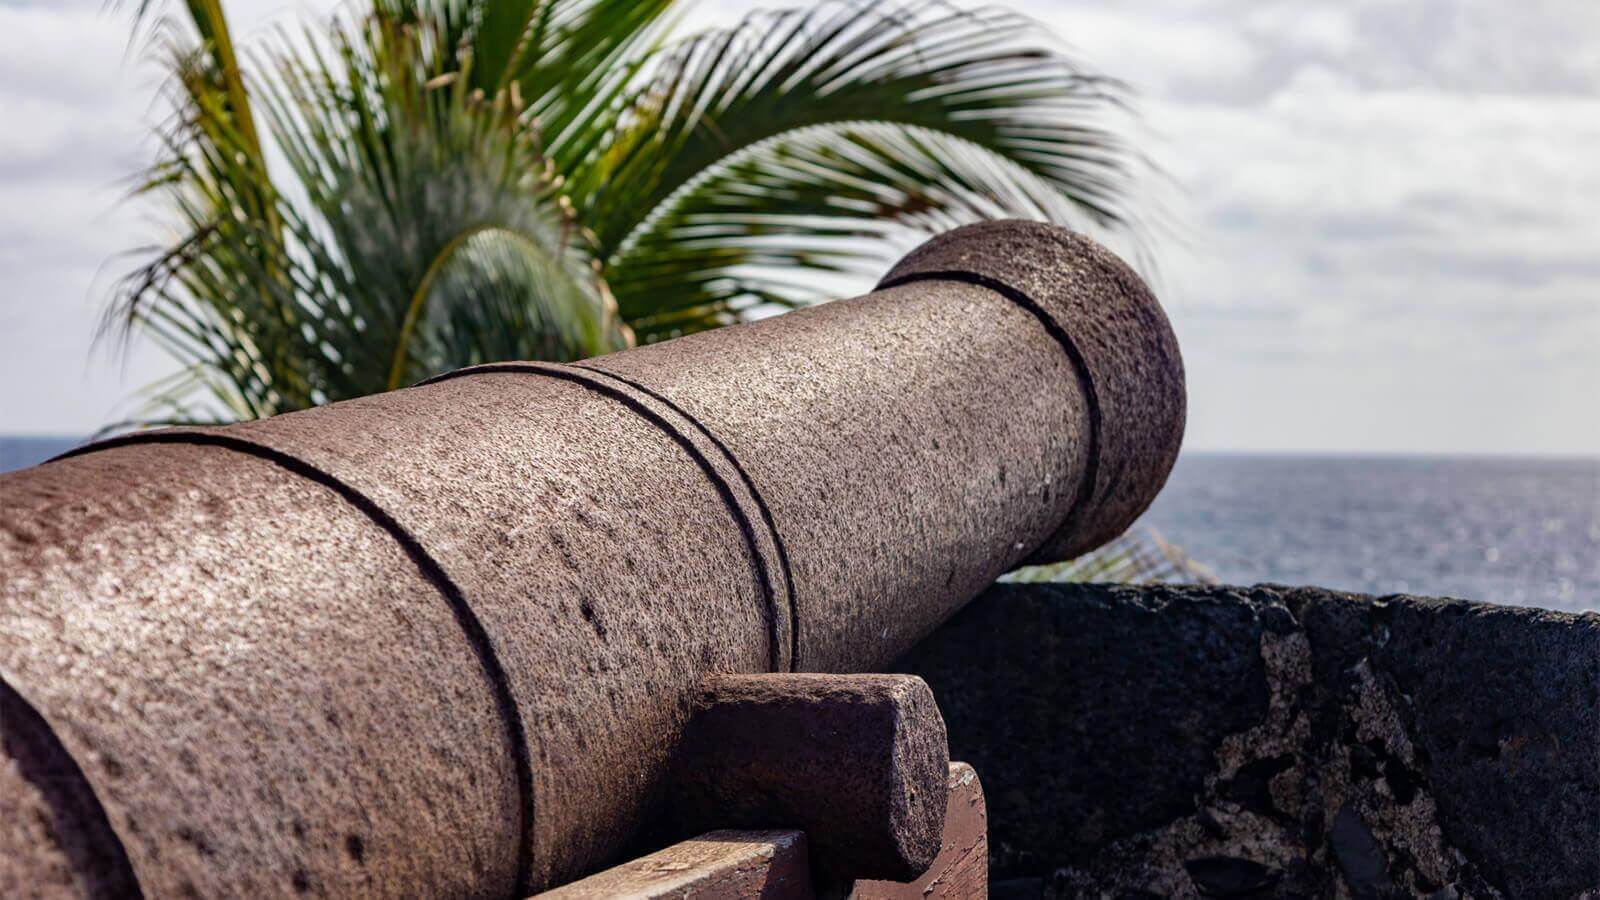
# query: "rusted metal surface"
[718,865]
[47,806]
[961,871]
[445,639]
[1012,392]
[265,693]
[1124,354]
[858,762]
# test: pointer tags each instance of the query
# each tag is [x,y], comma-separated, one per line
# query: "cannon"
[446,640]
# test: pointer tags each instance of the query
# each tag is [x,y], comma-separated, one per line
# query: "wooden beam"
[772,865]
[775,865]
[961,871]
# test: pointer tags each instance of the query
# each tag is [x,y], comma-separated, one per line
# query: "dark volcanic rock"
[1271,742]
[1503,705]
[1064,705]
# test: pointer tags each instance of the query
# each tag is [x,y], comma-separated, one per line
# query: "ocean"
[19,452]
[1516,531]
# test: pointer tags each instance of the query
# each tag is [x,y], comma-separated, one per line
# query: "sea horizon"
[1515,529]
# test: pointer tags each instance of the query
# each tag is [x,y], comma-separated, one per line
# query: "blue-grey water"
[1522,531]
[19,452]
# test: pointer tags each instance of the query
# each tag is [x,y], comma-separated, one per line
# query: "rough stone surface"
[444,640]
[858,762]
[1273,742]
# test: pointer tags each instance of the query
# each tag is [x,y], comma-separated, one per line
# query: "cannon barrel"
[444,640]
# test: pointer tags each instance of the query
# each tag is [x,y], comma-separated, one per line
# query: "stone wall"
[1274,742]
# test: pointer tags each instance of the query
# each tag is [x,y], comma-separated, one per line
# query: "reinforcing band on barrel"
[44,762]
[846,440]
[755,494]
[477,635]
[584,376]
[1080,369]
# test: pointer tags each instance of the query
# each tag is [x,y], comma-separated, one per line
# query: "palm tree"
[421,185]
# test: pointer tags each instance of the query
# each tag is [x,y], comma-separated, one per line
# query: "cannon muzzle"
[445,640]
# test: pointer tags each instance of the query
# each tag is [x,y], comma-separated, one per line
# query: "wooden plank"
[773,865]
[961,871]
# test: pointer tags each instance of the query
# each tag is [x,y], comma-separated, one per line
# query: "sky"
[1385,214]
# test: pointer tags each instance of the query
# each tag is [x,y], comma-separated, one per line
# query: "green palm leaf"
[422,215]
[761,227]
[800,140]
[426,184]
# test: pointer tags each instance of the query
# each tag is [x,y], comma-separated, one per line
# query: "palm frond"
[407,165]
[802,142]
[568,61]
[1139,556]
[982,77]
[457,181]
[768,225]
[417,213]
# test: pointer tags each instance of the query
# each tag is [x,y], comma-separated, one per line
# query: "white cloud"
[78,103]
[1154,53]
[1397,256]
[1389,226]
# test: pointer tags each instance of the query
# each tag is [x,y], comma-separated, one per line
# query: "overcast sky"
[1390,211]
